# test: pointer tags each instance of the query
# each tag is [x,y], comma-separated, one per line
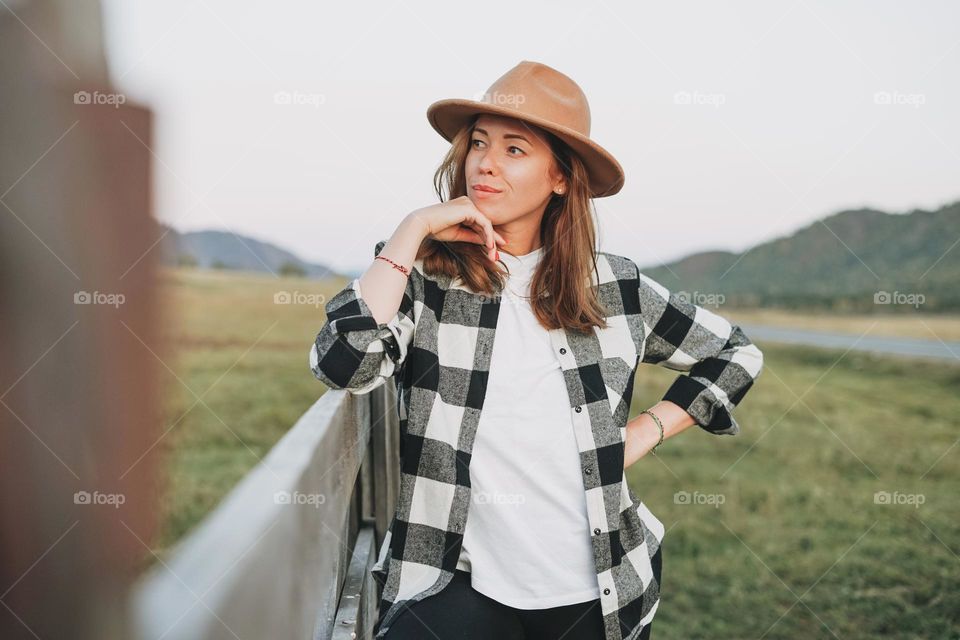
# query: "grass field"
[781,536]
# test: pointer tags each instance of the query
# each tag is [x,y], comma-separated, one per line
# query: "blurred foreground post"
[79,401]
[288,554]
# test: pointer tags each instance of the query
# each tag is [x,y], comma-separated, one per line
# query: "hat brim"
[606,175]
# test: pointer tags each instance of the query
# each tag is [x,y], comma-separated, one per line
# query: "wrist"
[654,432]
[642,436]
[415,221]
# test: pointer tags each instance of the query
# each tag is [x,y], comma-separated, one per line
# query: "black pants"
[459,612]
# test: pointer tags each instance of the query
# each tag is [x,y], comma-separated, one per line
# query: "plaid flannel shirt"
[440,342]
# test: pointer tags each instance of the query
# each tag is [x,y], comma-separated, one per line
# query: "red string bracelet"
[396,266]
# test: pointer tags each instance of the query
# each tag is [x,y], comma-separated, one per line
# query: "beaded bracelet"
[659,425]
[396,266]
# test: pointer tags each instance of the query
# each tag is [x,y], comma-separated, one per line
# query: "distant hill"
[213,249]
[839,262]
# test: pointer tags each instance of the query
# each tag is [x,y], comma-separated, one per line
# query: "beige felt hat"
[540,95]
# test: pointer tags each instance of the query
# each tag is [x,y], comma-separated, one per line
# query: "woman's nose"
[487,165]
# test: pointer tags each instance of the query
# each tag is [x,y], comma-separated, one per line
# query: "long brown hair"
[559,295]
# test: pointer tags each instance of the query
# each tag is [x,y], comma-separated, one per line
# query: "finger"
[492,234]
[480,224]
[485,228]
[491,240]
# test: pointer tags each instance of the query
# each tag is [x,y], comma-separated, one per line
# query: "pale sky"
[783,124]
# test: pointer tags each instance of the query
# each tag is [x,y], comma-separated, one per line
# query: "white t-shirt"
[528,506]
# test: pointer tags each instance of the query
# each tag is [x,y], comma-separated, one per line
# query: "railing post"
[385,456]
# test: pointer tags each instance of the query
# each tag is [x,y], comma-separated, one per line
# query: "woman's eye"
[473,143]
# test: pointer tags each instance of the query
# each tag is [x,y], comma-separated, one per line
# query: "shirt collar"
[525,262]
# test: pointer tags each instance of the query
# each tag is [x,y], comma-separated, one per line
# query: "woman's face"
[516,161]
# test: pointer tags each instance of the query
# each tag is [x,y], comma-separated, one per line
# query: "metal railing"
[288,553]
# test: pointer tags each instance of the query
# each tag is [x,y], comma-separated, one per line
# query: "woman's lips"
[484,191]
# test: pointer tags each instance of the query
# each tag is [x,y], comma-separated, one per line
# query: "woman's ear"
[560,182]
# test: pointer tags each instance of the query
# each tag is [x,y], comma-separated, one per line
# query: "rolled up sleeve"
[722,362]
[352,351]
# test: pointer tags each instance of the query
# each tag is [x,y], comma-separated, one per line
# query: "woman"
[527,432]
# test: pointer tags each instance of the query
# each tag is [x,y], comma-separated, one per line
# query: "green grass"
[798,482]
[246,358]
[820,434]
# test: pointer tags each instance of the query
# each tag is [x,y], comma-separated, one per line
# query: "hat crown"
[537,90]
[539,95]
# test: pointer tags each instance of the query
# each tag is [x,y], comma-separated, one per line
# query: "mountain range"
[845,261]
[840,262]
[217,249]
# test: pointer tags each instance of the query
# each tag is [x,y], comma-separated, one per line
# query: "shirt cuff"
[703,404]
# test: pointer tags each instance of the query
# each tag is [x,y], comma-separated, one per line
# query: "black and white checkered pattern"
[440,342]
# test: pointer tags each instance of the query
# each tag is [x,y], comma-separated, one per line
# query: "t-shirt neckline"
[527,260]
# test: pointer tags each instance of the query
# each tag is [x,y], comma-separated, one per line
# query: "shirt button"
[596,531]
[562,351]
[606,592]
[578,409]
[588,471]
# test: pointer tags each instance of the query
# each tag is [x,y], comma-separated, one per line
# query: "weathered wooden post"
[79,399]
